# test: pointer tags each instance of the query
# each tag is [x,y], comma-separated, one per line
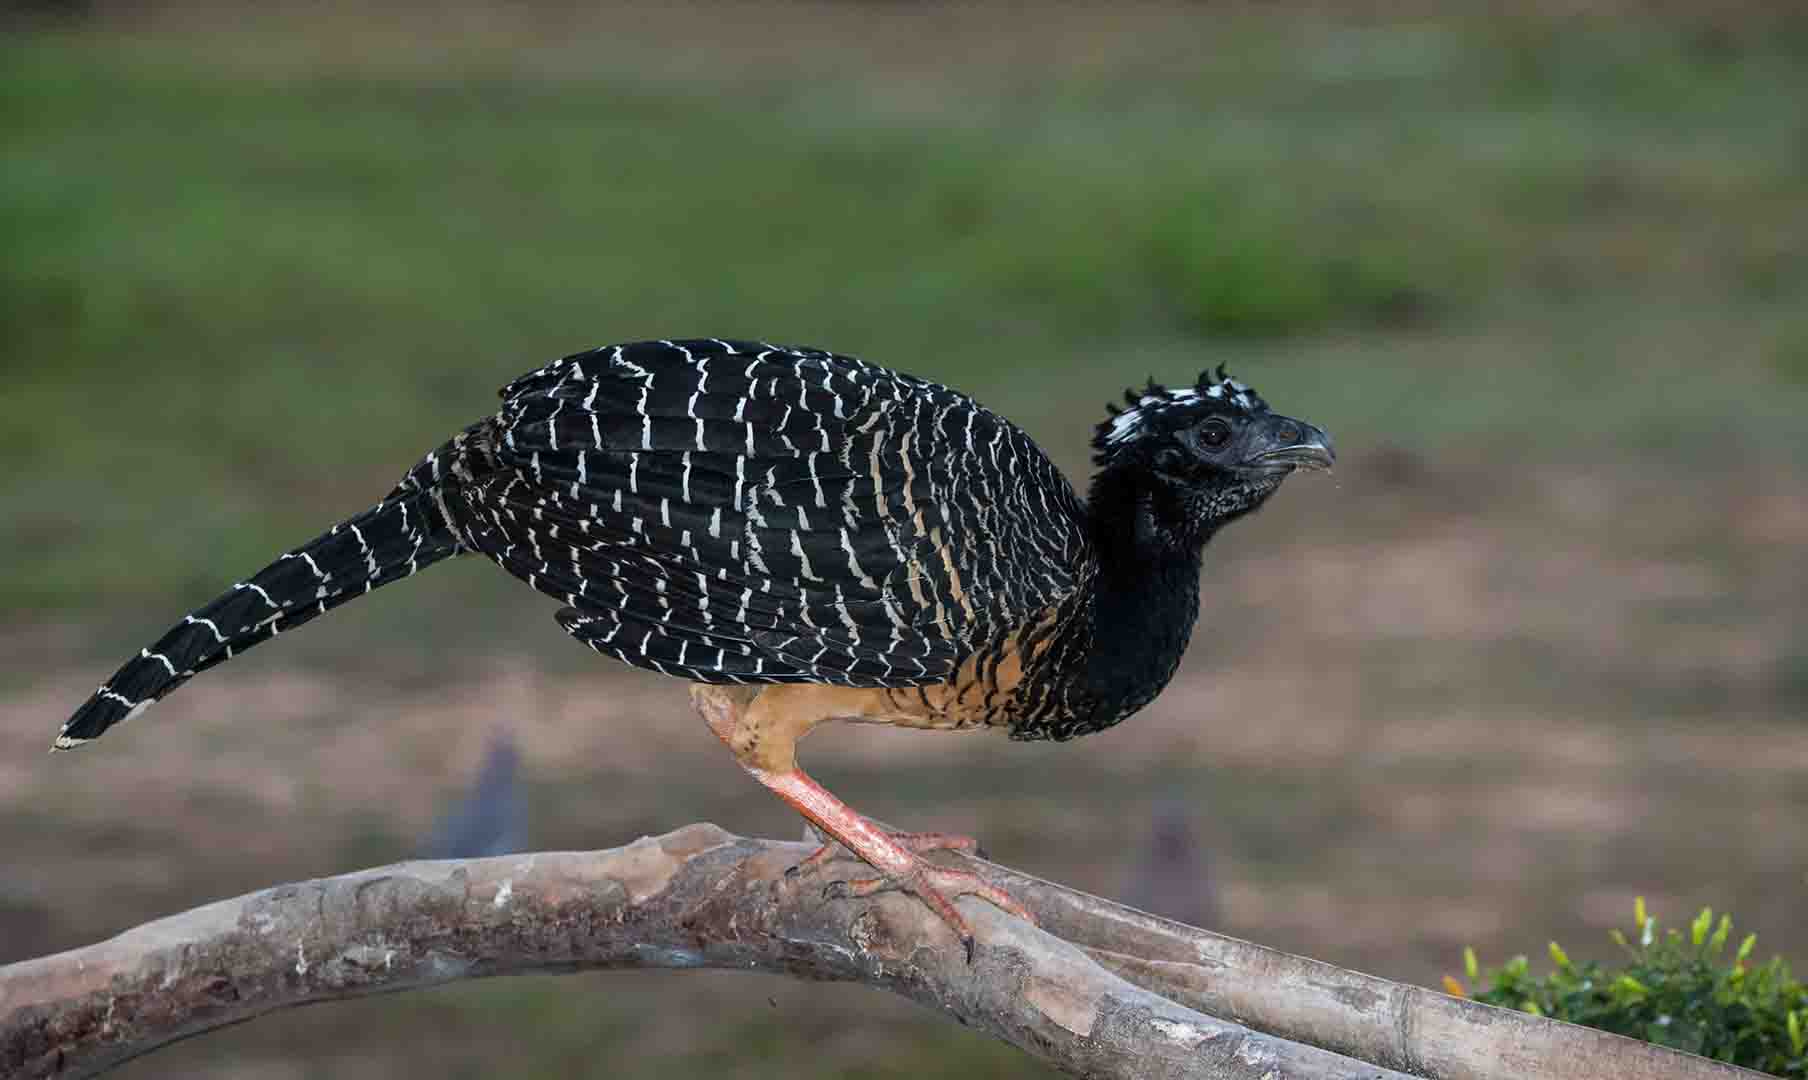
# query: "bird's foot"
[936,886]
[916,842]
[897,857]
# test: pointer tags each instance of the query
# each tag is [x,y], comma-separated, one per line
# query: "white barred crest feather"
[1154,399]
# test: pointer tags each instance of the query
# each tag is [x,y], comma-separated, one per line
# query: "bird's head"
[1200,456]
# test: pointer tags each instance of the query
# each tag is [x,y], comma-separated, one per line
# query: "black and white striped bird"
[805,537]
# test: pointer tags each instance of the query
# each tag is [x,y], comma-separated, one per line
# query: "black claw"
[791,874]
[979,852]
[835,890]
[967,944]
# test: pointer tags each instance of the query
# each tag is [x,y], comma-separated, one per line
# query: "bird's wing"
[732,511]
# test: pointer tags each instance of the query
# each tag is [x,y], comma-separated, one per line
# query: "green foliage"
[1675,989]
[1239,262]
[287,280]
[1789,356]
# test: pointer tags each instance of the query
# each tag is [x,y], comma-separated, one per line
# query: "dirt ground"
[1429,706]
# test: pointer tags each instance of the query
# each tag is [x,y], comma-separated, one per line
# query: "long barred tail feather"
[390,541]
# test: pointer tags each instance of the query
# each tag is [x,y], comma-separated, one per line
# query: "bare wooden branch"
[1409,1028]
[700,897]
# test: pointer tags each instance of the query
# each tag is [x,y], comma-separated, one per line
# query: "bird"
[488,818]
[804,537]
[1171,874]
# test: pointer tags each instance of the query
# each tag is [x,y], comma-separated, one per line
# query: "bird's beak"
[1293,444]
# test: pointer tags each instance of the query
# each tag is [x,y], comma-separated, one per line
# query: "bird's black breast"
[733,511]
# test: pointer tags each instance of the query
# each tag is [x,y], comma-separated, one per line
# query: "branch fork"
[1100,990]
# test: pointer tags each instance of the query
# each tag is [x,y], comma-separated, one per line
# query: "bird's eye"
[1215,434]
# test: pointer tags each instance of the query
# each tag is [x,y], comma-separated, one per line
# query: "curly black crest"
[1143,410]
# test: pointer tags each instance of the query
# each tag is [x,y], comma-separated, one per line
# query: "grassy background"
[1544,276]
[267,236]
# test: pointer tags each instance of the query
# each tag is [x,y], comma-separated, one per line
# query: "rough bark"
[1409,1028]
[1101,991]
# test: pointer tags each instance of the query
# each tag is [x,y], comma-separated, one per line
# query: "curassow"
[805,537]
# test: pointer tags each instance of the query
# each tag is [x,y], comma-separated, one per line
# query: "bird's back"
[737,512]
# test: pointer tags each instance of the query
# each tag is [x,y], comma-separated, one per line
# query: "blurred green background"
[1540,645]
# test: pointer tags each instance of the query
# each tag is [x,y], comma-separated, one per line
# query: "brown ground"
[1429,705]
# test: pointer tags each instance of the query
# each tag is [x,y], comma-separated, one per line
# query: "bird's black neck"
[1146,597]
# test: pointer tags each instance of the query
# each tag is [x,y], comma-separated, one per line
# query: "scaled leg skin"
[921,843]
[764,737]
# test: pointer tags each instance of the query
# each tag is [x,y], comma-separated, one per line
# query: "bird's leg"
[899,867]
[923,842]
[762,728]
[920,843]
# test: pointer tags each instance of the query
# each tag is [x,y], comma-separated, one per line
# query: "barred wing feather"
[731,511]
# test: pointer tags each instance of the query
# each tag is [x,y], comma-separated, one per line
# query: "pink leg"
[762,725]
[920,843]
[899,867]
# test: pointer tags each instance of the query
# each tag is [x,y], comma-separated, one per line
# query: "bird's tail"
[390,541]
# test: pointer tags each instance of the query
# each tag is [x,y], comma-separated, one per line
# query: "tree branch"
[1418,1031]
[1111,1000]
